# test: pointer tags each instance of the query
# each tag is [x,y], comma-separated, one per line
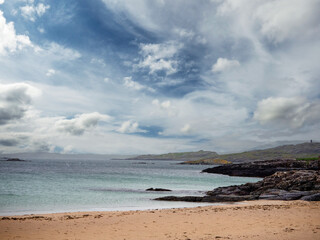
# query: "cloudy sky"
[117,76]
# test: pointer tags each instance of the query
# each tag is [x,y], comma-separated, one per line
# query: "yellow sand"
[249,220]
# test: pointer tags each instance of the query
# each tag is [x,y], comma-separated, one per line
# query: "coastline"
[245,220]
[161,206]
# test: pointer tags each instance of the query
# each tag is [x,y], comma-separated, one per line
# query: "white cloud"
[186,128]
[129,83]
[31,12]
[129,127]
[281,20]
[160,57]
[164,104]
[59,52]
[224,64]
[41,9]
[81,123]
[159,16]
[98,61]
[137,10]
[164,111]
[184,33]
[277,21]
[164,50]
[1,1]
[9,40]
[205,114]
[292,112]
[15,101]
[158,65]
[50,72]
[41,30]
[106,80]
[155,102]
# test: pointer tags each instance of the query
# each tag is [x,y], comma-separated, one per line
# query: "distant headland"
[303,150]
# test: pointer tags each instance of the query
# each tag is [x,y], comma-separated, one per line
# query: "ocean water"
[48,186]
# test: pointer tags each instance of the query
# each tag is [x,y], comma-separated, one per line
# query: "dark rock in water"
[184,199]
[218,198]
[158,189]
[263,168]
[15,160]
[292,185]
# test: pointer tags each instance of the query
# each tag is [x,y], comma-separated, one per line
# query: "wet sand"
[248,220]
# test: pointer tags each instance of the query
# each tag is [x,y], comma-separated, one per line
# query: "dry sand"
[251,220]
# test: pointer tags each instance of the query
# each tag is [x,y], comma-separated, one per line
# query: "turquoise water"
[45,186]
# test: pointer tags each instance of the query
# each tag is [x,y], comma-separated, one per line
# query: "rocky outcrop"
[292,185]
[263,168]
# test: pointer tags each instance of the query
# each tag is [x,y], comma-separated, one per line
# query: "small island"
[158,190]
[15,160]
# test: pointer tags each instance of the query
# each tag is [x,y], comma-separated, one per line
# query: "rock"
[158,189]
[184,199]
[218,198]
[276,194]
[228,198]
[263,168]
[313,197]
[15,160]
[290,185]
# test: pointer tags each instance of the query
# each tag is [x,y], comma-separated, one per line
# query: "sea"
[53,186]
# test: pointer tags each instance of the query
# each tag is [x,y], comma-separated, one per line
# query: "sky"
[134,77]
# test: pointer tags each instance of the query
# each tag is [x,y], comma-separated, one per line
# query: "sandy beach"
[248,220]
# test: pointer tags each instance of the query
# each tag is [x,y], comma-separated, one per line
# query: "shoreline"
[245,220]
[117,209]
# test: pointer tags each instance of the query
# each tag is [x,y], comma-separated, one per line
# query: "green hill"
[303,150]
[182,156]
